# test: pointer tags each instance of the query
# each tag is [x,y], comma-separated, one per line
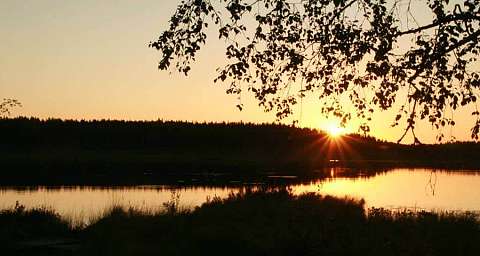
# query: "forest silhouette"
[82,151]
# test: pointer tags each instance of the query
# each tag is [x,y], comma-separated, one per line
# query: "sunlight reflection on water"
[399,188]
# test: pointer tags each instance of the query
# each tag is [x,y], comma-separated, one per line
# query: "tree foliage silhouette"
[6,105]
[372,53]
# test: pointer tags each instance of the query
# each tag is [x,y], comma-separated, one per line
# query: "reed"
[265,221]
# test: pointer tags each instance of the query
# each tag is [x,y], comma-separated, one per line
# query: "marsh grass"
[19,224]
[268,221]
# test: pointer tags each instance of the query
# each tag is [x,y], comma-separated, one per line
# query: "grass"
[266,222]
[19,225]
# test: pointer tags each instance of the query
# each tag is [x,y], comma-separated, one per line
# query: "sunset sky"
[89,60]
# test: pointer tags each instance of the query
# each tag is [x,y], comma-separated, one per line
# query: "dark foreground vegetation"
[67,151]
[265,222]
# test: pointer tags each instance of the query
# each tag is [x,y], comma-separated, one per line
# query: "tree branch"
[447,19]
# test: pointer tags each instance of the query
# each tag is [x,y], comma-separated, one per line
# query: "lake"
[427,189]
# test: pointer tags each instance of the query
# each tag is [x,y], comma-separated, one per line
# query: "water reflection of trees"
[228,181]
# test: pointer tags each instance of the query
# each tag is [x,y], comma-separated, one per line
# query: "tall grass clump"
[423,233]
[274,221]
[19,224]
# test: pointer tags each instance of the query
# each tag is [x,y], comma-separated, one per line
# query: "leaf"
[338,2]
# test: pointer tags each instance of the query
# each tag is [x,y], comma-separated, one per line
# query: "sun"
[334,130]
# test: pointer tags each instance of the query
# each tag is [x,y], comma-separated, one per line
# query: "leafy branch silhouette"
[374,54]
[6,105]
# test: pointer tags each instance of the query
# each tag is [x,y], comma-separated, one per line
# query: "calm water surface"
[399,188]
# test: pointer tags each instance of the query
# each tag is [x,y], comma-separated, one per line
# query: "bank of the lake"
[265,222]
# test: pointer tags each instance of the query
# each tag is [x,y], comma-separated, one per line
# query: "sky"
[90,60]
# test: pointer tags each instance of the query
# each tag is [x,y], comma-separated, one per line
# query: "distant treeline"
[114,134]
[55,147]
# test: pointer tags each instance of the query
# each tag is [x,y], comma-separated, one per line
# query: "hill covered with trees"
[55,149]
